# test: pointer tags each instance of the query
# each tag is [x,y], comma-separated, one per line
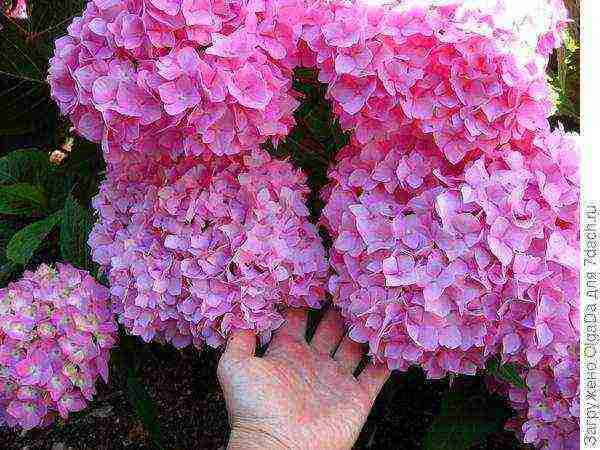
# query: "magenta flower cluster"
[443,265]
[549,407]
[56,331]
[196,249]
[454,211]
[186,71]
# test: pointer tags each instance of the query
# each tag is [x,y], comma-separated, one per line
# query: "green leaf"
[25,103]
[505,372]
[144,408]
[7,271]
[75,226]
[27,165]
[21,59]
[49,20]
[6,233]
[462,422]
[26,241]
[22,199]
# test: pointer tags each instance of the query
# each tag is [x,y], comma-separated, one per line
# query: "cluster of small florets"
[454,213]
[442,265]
[131,69]
[55,334]
[197,249]
[548,409]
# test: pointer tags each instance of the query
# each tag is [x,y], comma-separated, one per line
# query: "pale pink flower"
[56,334]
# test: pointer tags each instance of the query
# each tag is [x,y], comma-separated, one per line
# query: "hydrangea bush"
[56,330]
[453,211]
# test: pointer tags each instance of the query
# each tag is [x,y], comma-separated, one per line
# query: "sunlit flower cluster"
[196,249]
[56,330]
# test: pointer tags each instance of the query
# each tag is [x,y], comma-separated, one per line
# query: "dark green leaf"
[145,408]
[48,20]
[7,271]
[505,372]
[6,233]
[26,241]
[76,224]
[22,199]
[28,165]
[25,104]
[462,422]
[20,60]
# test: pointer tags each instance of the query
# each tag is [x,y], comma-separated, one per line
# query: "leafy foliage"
[29,165]
[466,418]
[40,197]
[21,199]
[26,241]
[505,372]
[565,82]
[26,47]
[145,408]
[76,224]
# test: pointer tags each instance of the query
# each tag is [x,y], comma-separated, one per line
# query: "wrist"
[246,439]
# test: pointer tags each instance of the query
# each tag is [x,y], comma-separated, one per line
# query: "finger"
[241,344]
[329,332]
[373,377]
[349,354]
[294,326]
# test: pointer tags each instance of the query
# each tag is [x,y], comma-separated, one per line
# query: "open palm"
[300,395]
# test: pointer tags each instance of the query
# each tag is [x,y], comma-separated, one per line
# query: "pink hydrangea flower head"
[476,259]
[198,247]
[55,336]
[125,74]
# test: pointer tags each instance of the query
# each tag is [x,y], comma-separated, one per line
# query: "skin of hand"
[299,395]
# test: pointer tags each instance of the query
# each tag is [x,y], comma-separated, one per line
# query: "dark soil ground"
[191,412]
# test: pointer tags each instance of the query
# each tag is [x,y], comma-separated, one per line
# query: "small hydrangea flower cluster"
[196,249]
[56,331]
[549,407]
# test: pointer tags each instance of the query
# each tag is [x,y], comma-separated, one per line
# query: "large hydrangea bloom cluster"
[183,70]
[56,330]
[197,249]
[454,211]
[442,265]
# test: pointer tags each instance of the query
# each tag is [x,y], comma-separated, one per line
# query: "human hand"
[298,396]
